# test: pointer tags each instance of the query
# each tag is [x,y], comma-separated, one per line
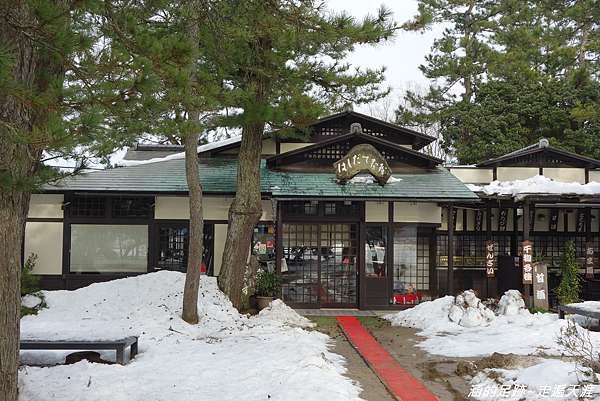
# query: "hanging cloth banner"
[502,218]
[478,220]
[554,220]
[581,226]
[490,258]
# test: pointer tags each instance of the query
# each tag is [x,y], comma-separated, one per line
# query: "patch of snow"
[368,179]
[31,301]
[278,311]
[536,185]
[549,379]
[430,315]
[227,356]
[511,303]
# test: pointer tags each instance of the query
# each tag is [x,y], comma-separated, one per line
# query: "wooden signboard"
[490,258]
[540,285]
[527,262]
[363,158]
[589,260]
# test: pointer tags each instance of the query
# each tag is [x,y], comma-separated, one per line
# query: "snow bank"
[227,356]
[131,306]
[430,315]
[278,311]
[511,303]
[468,311]
[536,185]
[514,330]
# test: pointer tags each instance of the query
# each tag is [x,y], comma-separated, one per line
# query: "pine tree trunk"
[196,233]
[13,206]
[244,214]
[18,163]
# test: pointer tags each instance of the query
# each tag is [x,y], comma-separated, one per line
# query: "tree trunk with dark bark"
[196,233]
[18,164]
[244,214]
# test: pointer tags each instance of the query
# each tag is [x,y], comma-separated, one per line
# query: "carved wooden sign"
[363,158]
[527,262]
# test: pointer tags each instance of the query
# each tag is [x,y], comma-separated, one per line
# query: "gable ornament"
[363,158]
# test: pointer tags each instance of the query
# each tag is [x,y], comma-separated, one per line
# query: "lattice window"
[132,207]
[87,206]
[331,131]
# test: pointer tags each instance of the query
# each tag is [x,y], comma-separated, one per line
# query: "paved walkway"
[398,381]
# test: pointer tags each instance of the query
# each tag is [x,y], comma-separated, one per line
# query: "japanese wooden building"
[354,216]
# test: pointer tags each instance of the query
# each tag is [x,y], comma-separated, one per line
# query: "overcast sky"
[403,56]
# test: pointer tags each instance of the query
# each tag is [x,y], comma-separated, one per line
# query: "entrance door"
[320,268]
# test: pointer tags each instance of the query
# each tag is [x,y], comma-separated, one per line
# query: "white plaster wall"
[219,241]
[45,239]
[46,206]
[516,173]
[376,212]
[213,208]
[288,147]
[594,175]
[473,175]
[565,174]
[412,212]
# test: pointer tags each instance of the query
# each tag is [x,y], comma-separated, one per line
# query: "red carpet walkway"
[398,381]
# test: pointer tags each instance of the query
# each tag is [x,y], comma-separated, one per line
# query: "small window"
[88,206]
[132,207]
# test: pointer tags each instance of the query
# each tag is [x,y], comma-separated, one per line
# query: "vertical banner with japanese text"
[490,258]
[540,285]
[589,259]
[527,262]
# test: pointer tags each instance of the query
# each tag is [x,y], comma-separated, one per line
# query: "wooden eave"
[569,158]
[293,156]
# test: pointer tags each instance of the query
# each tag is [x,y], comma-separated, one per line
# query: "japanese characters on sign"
[527,262]
[490,258]
[540,285]
[589,260]
[581,214]
[478,220]
[363,158]
[502,219]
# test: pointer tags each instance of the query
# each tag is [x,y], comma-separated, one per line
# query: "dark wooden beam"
[450,273]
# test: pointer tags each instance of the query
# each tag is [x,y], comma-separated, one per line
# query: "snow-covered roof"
[536,185]
[181,155]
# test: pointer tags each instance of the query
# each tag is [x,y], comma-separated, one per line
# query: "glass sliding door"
[319,268]
[411,261]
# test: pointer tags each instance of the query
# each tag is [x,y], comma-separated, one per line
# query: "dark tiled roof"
[218,175]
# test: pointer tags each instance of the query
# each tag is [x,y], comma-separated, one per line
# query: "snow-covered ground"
[227,356]
[512,330]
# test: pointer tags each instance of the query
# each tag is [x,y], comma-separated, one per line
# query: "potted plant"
[267,285]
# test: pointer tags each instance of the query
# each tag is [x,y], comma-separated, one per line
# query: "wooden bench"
[118,345]
[562,309]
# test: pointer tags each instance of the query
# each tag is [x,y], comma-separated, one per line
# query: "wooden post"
[526,287]
[450,274]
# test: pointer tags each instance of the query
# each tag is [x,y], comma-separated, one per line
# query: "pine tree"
[285,73]
[506,73]
[52,103]
[569,289]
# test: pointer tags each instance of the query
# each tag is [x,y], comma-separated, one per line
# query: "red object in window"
[203,268]
[407,298]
